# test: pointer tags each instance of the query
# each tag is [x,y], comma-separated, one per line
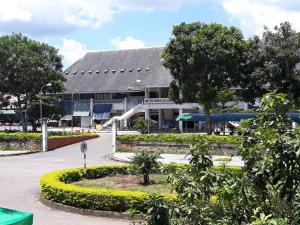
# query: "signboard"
[83,147]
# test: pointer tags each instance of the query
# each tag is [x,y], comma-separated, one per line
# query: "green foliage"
[224,96]
[145,163]
[158,212]
[176,138]
[19,136]
[203,59]
[270,64]
[50,110]
[266,193]
[25,66]
[57,186]
[142,124]
[22,136]
[271,149]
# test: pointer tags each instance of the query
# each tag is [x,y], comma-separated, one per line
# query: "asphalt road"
[19,181]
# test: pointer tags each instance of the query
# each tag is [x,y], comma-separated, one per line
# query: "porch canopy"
[101,111]
[217,117]
[81,109]
[14,217]
[8,115]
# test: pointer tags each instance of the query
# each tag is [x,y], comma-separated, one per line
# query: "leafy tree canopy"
[271,64]
[25,66]
[203,59]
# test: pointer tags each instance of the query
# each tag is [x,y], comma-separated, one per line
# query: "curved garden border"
[57,187]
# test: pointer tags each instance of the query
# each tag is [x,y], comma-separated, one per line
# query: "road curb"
[85,212]
[112,157]
[21,153]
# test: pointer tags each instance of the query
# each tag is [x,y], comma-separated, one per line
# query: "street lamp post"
[41,102]
[72,112]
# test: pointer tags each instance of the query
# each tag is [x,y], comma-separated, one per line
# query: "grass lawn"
[224,159]
[129,182]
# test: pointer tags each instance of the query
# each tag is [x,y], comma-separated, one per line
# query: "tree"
[145,163]
[50,110]
[270,64]
[25,66]
[203,60]
[225,96]
[142,124]
[265,191]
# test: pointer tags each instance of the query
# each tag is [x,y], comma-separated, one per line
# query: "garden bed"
[176,143]
[68,187]
[130,182]
[33,141]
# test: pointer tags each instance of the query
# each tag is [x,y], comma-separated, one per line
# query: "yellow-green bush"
[57,186]
[176,138]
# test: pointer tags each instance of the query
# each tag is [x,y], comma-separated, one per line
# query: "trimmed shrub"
[19,136]
[57,186]
[23,136]
[176,138]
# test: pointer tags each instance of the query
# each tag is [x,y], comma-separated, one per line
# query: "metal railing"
[158,101]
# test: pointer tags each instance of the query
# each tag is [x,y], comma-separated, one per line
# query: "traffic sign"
[83,147]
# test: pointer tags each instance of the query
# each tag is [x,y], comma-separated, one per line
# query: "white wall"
[85,121]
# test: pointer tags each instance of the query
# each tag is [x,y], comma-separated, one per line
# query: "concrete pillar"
[114,135]
[180,122]
[91,111]
[147,110]
[159,118]
[159,111]
[125,110]
[45,135]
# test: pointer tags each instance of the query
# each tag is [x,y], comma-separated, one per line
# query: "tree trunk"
[146,179]
[34,126]
[23,120]
[208,121]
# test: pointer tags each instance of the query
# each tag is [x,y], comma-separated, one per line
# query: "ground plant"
[145,163]
[266,193]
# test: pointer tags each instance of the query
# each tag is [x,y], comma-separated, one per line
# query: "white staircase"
[129,113]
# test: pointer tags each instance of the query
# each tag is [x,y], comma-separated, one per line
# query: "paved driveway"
[19,181]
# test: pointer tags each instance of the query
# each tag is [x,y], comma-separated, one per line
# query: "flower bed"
[57,187]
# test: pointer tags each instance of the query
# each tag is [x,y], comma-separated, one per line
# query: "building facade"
[121,84]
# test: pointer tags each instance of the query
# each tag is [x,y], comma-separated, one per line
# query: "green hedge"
[23,136]
[75,135]
[176,138]
[57,186]
[19,136]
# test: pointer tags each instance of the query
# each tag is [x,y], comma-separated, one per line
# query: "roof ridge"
[129,49]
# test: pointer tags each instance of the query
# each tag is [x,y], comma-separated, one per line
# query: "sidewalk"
[177,158]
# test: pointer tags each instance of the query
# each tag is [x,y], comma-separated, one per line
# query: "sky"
[78,26]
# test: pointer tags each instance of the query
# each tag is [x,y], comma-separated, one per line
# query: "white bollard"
[45,135]
[114,135]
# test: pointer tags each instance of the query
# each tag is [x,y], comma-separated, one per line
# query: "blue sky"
[78,26]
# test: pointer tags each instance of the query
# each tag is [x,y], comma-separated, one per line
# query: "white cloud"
[253,14]
[72,50]
[64,16]
[127,43]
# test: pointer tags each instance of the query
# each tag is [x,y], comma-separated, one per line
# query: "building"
[123,84]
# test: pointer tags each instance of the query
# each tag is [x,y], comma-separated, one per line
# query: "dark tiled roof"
[115,71]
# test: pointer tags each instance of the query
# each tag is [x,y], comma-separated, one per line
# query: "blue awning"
[217,117]
[101,111]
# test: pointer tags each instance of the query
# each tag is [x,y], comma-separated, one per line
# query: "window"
[103,96]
